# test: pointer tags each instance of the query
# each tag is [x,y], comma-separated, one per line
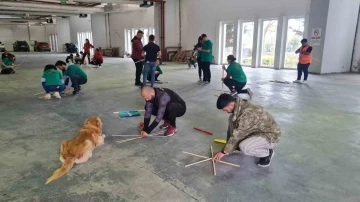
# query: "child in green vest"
[52,80]
[158,71]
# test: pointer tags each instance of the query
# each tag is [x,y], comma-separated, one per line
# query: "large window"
[130,33]
[295,32]
[247,38]
[268,42]
[81,36]
[228,39]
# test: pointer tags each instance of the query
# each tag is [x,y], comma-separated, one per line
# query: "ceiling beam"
[44,10]
[111,1]
[36,13]
[22,5]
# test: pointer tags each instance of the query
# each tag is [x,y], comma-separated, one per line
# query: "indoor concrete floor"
[317,158]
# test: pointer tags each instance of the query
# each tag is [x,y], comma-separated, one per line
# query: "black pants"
[76,81]
[68,58]
[200,67]
[139,69]
[8,71]
[231,83]
[156,77]
[83,58]
[303,68]
[96,62]
[206,71]
[173,110]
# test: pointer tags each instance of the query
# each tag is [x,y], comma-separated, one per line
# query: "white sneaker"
[297,81]
[207,82]
[47,96]
[57,95]
[200,81]
[304,82]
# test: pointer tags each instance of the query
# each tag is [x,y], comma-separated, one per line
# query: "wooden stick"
[197,162]
[128,140]
[125,135]
[39,93]
[212,158]
[204,157]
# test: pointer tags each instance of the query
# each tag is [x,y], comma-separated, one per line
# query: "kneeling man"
[164,104]
[251,129]
[74,76]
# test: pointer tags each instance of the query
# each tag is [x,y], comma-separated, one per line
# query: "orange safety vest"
[305,59]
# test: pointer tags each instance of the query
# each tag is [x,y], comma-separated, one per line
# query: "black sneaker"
[265,161]
[139,84]
[75,93]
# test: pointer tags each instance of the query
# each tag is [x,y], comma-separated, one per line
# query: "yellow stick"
[212,158]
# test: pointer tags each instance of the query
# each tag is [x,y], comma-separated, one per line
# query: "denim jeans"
[58,88]
[149,66]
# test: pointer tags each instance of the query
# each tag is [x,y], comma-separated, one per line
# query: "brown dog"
[79,149]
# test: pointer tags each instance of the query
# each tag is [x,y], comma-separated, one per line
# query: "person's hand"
[67,91]
[218,156]
[143,134]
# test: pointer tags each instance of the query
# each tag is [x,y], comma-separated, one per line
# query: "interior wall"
[340,34]
[6,36]
[99,30]
[203,16]
[63,32]
[79,25]
[134,19]
[11,33]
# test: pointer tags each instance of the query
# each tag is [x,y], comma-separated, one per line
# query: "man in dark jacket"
[137,49]
[164,104]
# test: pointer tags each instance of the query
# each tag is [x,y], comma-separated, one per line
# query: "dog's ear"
[98,122]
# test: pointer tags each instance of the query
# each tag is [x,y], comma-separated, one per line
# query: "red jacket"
[98,56]
[87,47]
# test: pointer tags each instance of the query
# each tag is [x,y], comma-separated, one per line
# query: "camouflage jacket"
[247,120]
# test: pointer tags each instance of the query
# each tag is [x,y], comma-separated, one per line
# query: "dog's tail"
[65,167]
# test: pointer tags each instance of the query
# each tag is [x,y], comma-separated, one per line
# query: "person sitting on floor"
[6,54]
[251,129]
[7,65]
[52,81]
[74,76]
[158,71]
[98,58]
[238,77]
[166,105]
[70,57]
[77,58]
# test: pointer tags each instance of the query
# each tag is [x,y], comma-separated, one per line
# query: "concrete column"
[238,40]
[157,24]
[256,52]
[337,22]
[280,43]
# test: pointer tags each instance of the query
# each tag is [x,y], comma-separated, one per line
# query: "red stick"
[204,131]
